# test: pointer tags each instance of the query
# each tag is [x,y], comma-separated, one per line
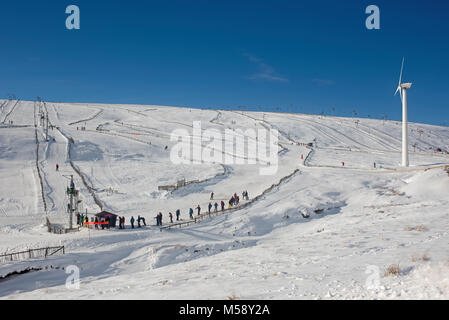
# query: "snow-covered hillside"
[314,229]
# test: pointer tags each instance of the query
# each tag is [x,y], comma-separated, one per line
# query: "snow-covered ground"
[327,231]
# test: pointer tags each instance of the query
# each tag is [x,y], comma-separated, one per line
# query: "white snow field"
[316,230]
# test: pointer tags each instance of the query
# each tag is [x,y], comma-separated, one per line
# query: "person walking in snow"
[160,218]
[212,196]
[143,220]
[132,222]
[191,213]
[57,167]
[222,205]
[210,206]
[216,206]
[96,222]
[138,221]
[199,209]
[178,213]
[171,217]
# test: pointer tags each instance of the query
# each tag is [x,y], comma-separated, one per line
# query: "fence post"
[29,252]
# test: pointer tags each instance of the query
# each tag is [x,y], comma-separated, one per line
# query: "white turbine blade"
[402,68]
[399,88]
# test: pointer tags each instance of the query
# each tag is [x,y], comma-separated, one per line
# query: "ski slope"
[317,229]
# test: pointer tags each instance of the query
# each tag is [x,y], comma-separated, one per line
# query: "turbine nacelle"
[406,85]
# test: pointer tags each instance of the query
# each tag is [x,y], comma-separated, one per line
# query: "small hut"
[112,218]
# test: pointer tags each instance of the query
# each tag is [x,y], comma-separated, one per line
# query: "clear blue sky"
[313,55]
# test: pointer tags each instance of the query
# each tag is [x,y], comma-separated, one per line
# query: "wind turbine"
[402,89]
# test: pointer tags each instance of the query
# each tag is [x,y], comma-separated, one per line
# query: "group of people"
[159,219]
[121,222]
[83,220]
[104,222]
[234,201]
[139,221]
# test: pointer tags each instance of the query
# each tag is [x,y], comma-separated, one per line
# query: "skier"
[171,217]
[215,206]
[212,196]
[178,213]
[222,205]
[199,209]
[143,220]
[210,206]
[138,221]
[237,200]
[132,222]
[191,213]
[77,218]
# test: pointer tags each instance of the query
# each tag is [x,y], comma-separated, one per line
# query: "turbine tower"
[402,89]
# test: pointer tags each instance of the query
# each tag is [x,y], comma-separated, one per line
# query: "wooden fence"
[32,253]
